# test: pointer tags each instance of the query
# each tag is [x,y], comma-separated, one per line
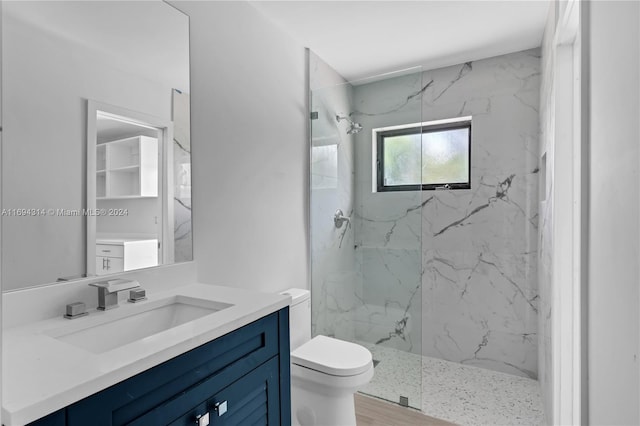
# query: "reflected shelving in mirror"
[129,167]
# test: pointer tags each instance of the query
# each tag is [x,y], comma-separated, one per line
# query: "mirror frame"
[165,170]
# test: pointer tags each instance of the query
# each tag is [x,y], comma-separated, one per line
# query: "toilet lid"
[332,356]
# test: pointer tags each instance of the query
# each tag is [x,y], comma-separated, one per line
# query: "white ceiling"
[366,38]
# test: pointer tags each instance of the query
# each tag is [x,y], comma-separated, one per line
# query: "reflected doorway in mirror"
[130,185]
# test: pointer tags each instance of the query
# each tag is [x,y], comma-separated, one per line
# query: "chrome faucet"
[108,292]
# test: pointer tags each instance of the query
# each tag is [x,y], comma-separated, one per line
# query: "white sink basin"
[116,329]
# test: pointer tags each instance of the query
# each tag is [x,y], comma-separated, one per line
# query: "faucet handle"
[137,295]
[76,310]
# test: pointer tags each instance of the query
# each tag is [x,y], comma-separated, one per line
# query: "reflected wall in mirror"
[123,66]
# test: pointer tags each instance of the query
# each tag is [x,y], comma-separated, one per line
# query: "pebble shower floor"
[458,393]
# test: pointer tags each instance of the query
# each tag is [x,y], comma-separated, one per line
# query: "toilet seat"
[333,357]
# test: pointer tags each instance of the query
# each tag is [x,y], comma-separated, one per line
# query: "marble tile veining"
[479,298]
[183,237]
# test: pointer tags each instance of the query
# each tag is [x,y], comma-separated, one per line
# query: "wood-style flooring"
[375,412]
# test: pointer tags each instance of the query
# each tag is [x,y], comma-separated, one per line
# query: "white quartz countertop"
[42,374]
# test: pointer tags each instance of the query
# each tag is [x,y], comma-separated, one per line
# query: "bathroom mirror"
[96,165]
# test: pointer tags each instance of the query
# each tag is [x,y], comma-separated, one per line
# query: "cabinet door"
[115,264]
[109,265]
[252,400]
[101,265]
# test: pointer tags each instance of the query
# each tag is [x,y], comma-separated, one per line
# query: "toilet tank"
[299,316]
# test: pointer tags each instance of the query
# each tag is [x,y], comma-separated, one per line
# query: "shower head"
[353,126]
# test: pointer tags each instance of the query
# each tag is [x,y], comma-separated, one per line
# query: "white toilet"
[325,372]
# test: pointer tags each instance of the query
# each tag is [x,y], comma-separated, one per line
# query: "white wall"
[250,148]
[614,213]
[143,216]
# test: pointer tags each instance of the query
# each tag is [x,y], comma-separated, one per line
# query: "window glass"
[425,157]
[324,167]
[445,157]
[402,160]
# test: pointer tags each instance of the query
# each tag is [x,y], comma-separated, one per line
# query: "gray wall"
[614,215]
[610,69]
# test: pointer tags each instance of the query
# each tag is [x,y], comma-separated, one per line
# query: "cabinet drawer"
[110,250]
[253,399]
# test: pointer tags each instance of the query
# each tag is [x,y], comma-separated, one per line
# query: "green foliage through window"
[425,157]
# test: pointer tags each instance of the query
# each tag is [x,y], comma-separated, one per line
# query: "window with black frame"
[424,157]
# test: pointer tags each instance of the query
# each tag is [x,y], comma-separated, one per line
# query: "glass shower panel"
[334,277]
[367,274]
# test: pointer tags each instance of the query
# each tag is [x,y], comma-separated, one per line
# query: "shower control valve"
[339,218]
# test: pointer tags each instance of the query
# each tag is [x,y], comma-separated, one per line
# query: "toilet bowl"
[325,372]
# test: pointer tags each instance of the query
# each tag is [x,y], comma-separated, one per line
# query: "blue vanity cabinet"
[251,400]
[240,378]
[54,419]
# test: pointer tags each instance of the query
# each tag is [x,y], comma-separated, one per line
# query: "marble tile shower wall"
[388,225]
[453,273]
